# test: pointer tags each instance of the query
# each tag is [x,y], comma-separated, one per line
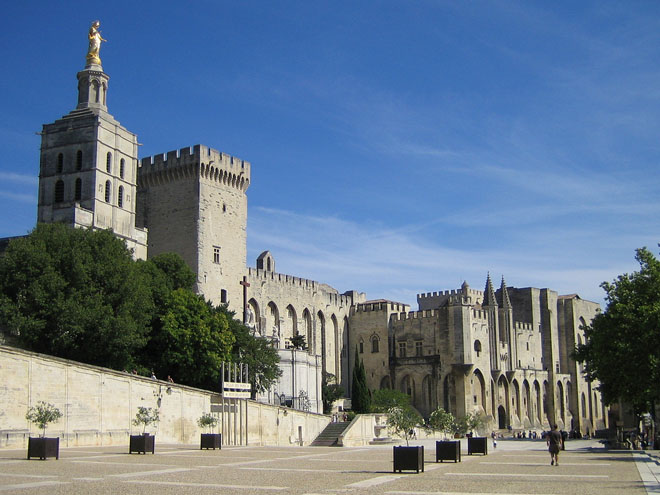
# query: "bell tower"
[88,163]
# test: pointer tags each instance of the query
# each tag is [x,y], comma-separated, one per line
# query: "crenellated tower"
[88,163]
[193,202]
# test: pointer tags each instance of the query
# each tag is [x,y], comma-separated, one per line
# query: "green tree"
[298,342]
[360,398]
[622,348]
[192,342]
[402,421]
[330,391]
[260,356]
[442,421]
[77,294]
[386,398]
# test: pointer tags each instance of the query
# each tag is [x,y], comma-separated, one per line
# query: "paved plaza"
[515,467]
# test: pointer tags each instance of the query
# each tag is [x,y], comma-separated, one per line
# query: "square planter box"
[43,447]
[409,458]
[142,444]
[211,441]
[478,445]
[448,451]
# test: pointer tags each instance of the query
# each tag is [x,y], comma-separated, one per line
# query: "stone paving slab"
[513,468]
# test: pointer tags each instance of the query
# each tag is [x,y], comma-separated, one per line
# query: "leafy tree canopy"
[441,420]
[386,398]
[76,294]
[192,342]
[402,421]
[258,353]
[622,348]
[330,391]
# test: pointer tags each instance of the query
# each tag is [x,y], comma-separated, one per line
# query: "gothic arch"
[427,396]
[503,397]
[515,399]
[273,323]
[528,408]
[478,389]
[334,351]
[407,386]
[320,335]
[559,402]
[385,382]
[538,404]
[254,306]
[291,325]
[308,330]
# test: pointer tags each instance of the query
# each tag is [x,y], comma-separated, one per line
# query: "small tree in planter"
[144,443]
[209,440]
[42,414]
[402,421]
[443,421]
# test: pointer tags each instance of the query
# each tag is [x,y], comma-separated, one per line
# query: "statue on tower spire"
[95,40]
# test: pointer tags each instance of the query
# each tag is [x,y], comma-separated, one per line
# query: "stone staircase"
[329,436]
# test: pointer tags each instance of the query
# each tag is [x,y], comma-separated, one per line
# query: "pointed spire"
[489,293]
[506,302]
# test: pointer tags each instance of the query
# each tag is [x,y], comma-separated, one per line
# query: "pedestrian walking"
[554,442]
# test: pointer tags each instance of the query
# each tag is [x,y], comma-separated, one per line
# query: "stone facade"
[502,354]
[99,404]
[505,354]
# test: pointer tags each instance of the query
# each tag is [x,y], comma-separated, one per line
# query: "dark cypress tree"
[360,399]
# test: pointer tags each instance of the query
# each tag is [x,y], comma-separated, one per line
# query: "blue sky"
[397,147]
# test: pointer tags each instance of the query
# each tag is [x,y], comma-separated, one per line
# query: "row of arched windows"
[108,165]
[79,163]
[77,196]
[60,161]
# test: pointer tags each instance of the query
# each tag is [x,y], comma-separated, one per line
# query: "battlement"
[333,295]
[522,326]
[415,315]
[380,306]
[464,295]
[201,161]
[452,292]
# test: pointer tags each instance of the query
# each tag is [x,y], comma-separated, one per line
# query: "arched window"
[78,189]
[107,191]
[95,91]
[60,163]
[79,160]
[59,191]
[477,347]
[120,196]
[374,344]
[122,164]
[108,163]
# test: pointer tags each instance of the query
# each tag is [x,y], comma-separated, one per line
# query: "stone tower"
[194,203]
[88,165]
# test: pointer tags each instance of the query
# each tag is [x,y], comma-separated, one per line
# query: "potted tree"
[42,414]
[402,421]
[209,440]
[445,450]
[476,444]
[146,442]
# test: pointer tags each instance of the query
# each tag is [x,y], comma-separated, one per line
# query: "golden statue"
[95,40]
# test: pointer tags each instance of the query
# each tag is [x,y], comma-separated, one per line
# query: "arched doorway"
[501,418]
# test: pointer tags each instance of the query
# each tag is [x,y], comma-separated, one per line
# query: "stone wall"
[99,404]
